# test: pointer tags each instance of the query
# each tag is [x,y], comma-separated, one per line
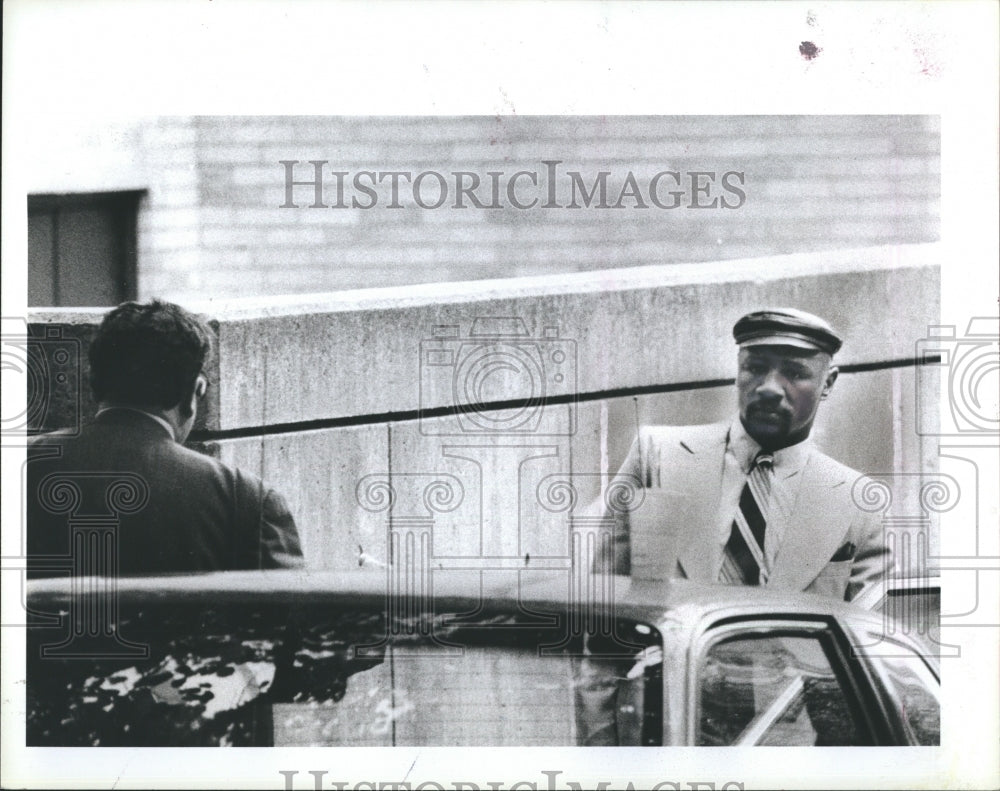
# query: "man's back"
[198,514]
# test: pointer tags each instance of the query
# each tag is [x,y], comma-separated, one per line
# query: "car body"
[480,658]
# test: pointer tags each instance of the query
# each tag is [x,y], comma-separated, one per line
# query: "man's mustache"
[765,408]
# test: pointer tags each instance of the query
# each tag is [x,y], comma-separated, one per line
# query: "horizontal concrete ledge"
[347,355]
[744,270]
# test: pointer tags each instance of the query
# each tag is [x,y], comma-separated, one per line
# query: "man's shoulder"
[696,434]
[54,447]
[244,481]
[149,452]
[198,460]
[60,435]
[41,444]
[829,468]
[847,486]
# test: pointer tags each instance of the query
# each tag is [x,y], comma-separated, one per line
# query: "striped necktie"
[743,560]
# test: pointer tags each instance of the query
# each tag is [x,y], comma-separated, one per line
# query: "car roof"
[651,600]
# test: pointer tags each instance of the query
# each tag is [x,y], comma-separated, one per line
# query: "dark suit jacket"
[168,508]
[830,545]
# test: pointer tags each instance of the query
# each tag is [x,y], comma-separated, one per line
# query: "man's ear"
[831,376]
[189,403]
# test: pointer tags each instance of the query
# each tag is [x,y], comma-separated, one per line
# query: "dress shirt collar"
[156,418]
[745,449]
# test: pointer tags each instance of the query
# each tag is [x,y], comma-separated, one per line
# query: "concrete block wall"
[169,224]
[211,222]
[332,399]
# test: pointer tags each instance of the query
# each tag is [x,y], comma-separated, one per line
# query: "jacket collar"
[112,413]
[809,541]
[819,522]
[787,461]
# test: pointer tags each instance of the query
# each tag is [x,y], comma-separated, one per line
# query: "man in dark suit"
[126,496]
[751,501]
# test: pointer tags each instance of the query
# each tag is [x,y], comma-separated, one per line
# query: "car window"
[914,688]
[773,689]
[199,679]
[308,676]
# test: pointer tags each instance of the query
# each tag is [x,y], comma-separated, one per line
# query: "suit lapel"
[815,526]
[699,478]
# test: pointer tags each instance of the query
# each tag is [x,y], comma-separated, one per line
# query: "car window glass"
[915,690]
[307,676]
[772,690]
[202,681]
[479,696]
[438,683]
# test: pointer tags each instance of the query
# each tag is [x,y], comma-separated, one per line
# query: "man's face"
[780,388]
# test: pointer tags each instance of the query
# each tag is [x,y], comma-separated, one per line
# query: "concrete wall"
[335,398]
[210,224]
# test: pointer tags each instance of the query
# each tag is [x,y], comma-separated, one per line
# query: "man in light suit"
[747,502]
[752,501]
[126,496]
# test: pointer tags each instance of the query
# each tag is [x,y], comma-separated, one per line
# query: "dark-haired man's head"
[785,370]
[151,357]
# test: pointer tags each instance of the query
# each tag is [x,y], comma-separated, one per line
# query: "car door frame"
[862,630]
[854,676]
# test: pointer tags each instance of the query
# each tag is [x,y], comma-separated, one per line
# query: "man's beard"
[768,418]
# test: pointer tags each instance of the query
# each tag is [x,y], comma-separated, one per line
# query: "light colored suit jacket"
[830,545]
